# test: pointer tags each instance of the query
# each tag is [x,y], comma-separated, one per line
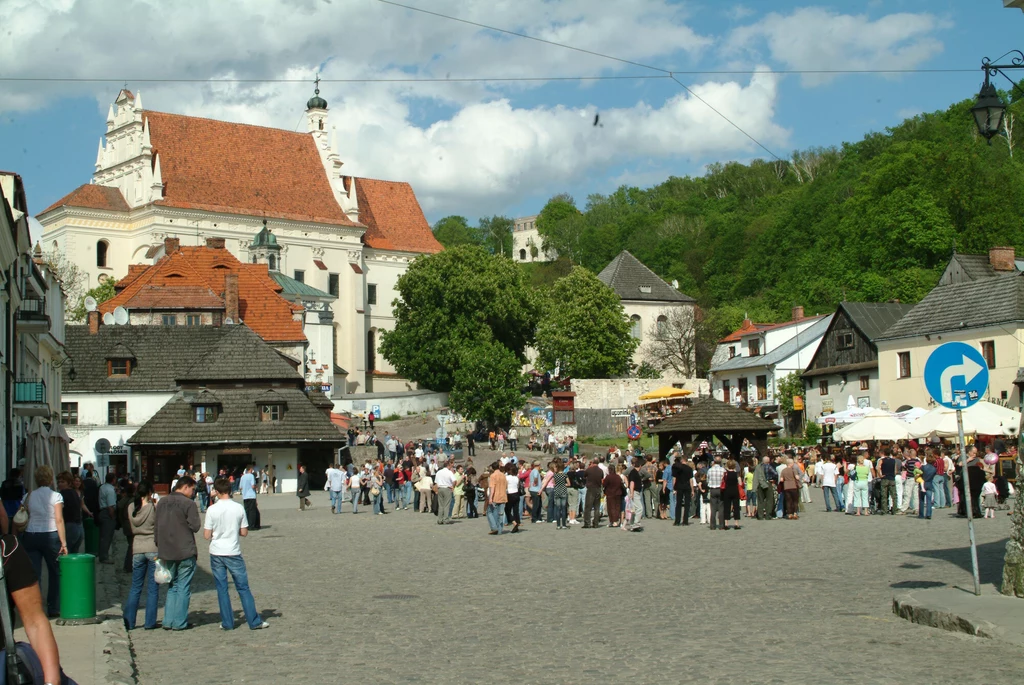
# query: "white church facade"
[160,175]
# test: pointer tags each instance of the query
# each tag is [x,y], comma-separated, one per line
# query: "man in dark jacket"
[302,489]
[177,522]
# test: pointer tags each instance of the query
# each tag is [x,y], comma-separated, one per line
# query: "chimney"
[94,322]
[798,313]
[231,298]
[215,243]
[1002,258]
[171,245]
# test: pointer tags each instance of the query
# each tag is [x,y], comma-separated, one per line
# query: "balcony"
[32,318]
[30,398]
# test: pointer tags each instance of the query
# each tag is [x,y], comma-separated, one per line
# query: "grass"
[392,417]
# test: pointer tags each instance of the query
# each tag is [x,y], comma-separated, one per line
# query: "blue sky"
[497,148]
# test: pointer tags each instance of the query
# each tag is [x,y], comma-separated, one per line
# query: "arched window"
[662,326]
[635,327]
[272,262]
[101,253]
[254,260]
[371,351]
[522,255]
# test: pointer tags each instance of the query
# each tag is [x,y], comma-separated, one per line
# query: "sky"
[478,148]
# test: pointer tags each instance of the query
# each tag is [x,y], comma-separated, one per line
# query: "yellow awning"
[665,393]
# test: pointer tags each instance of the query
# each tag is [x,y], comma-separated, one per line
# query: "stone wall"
[623,393]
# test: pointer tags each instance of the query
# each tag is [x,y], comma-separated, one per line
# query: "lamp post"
[989,109]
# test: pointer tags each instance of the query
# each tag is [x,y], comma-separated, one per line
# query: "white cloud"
[816,38]
[493,145]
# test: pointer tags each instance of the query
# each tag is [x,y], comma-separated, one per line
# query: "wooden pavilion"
[709,418]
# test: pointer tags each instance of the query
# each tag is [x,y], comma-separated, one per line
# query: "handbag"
[161,576]
[20,520]
[374,491]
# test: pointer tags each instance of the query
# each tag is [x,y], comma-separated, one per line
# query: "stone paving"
[398,599]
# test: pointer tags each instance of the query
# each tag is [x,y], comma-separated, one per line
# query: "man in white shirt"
[225,524]
[336,485]
[828,472]
[107,517]
[444,479]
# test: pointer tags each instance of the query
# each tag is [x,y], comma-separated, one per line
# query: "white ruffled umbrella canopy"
[845,416]
[910,415]
[60,448]
[877,425]
[983,418]
[37,451]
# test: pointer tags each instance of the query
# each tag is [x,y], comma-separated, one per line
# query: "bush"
[812,431]
[392,417]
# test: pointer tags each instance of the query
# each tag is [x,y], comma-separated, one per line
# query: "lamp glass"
[988,112]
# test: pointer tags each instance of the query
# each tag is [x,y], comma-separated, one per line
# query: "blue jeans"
[336,501]
[839,493]
[179,593]
[939,491]
[390,488]
[924,501]
[407,493]
[831,490]
[74,533]
[204,501]
[560,510]
[496,516]
[550,492]
[235,565]
[780,507]
[378,502]
[354,494]
[45,547]
[143,567]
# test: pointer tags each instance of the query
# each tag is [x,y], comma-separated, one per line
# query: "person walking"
[732,493]
[790,482]
[226,523]
[72,511]
[861,475]
[561,495]
[142,520]
[336,485]
[302,489]
[888,466]
[248,487]
[177,522]
[107,518]
[613,494]
[764,476]
[714,476]
[592,503]
[512,484]
[445,482]
[927,496]
[497,497]
[682,481]
[828,472]
[45,538]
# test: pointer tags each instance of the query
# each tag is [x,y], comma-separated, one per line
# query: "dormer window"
[732,351]
[206,413]
[271,412]
[754,347]
[119,368]
[645,289]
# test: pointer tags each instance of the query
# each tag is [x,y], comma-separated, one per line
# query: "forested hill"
[870,221]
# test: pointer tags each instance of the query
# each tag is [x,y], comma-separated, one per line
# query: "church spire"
[316,109]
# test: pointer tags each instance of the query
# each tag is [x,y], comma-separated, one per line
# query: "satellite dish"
[120,316]
[108,319]
[90,304]
[102,446]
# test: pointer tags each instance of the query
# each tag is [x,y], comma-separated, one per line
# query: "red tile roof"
[393,217]
[193,277]
[750,327]
[92,197]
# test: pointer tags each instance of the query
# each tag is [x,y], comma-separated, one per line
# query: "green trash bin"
[92,536]
[78,588]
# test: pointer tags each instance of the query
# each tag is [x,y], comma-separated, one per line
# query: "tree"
[101,293]
[72,281]
[583,329]
[455,230]
[496,233]
[488,384]
[786,388]
[672,343]
[457,299]
[561,226]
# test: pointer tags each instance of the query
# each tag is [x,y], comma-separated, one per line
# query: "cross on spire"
[316,82]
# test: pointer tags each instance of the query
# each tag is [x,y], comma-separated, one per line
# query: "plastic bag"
[161,575]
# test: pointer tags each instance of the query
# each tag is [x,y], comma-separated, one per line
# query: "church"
[266,195]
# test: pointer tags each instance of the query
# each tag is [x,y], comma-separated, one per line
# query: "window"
[742,386]
[193,320]
[522,255]
[754,347]
[300,275]
[169,319]
[823,387]
[272,263]
[762,388]
[101,253]
[662,327]
[206,413]
[732,351]
[904,365]
[333,286]
[117,413]
[119,367]
[69,413]
[726,391]
[635,328]
[988,351]
[271,412]
[844,341]
[371,293]
[865,382]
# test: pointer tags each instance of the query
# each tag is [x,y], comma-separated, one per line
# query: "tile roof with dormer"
[193,278]
[631,280]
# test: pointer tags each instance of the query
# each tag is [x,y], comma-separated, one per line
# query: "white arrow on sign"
[968,369]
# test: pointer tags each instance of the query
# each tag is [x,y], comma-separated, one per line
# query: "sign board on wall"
[619,413]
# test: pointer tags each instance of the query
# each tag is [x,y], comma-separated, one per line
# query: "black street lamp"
[989,109]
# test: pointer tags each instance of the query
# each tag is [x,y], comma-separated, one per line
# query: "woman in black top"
[73,531]
[731,494]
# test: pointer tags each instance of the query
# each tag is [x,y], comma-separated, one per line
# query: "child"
[705,503]
[988,497]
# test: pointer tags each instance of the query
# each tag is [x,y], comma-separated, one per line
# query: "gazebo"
[709,418]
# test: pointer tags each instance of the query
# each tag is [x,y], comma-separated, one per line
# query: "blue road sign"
[956,375]
[634,432]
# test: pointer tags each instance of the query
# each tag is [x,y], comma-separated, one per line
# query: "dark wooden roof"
[875,318]
[708,415]
[626,275]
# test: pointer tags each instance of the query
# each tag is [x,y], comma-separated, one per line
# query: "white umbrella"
[982,418]
[877,425]
[60,454]
[845,416]
[910,415]
[37,451]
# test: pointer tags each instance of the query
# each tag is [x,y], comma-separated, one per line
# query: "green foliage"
[561,226]
[489,383]
[455,230]
[103,292]
[496,233]
[812,432]
[458,299]
[786,389]
[583,329]
[645,370]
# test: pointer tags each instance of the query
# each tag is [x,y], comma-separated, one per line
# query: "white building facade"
[527,243]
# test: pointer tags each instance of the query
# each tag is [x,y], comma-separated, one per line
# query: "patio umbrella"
[910,415]
[845,416]
[60,448]
[982,418]
[37,451]
[665,393]
[876,425]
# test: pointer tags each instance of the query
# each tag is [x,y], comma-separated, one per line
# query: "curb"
[119,656]
[907,607]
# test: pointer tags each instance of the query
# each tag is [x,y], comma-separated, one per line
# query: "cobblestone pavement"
[398,599]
